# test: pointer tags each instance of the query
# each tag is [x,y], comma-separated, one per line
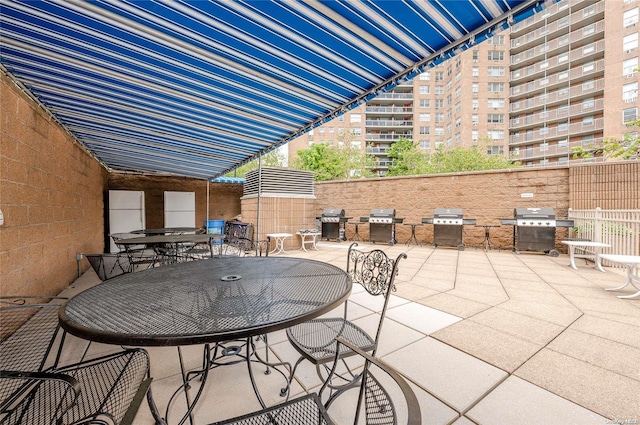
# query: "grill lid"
[381,212]
[333,213]
[447,213]
[534,213]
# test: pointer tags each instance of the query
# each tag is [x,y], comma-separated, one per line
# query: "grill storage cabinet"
[448,227]
[382,225]
[535,229]
[333,224]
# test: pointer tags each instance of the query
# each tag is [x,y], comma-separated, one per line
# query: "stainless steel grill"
[448,226]
[333,224]
[534,229]
[382,225]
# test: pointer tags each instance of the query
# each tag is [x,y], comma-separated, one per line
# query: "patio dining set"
[225,303]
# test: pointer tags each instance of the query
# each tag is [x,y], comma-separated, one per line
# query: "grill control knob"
[548,224]
[531,223]
[540,223]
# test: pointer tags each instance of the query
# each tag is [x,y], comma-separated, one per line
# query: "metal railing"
[618,228]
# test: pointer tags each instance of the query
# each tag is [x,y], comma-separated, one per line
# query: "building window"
[458,92]
[424,89]
[495,103]
[475,55]
[458,122]
[425,130]
[495,87]
[475,87]
[630,42]
[439,131]
[495,55]
[439,103]
[475,72]
[474,119]
[495,118]
[355,118]
[439,89]
[356,144]
[563,57]
[439,76]
[629,67]
[588,85]
[495,150]
[563,126]
[474,135]
[496,71]
[425,144]
[544,146]
[630,92]
[439,117]
[356,131]
[588,11]
[496,40]
[425,103]
[474,104]
[588,30]
[630,17]
[495,134]
[425,117]
[425,76]
[588,67]
[589,48]
[629,114]
[320,130]
[544,130]
[587,121]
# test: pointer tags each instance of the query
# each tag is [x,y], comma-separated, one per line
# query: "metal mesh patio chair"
[242,247]
[384,398]
[35,389]
[107,266]
[139,256]
[315,340]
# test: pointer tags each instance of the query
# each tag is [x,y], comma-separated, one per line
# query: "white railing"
[618,228]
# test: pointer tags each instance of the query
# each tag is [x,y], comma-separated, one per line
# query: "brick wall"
[224,198]
[50,195]
[613,186]
[485,196]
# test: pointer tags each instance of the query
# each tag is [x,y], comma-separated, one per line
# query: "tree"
[626,148]
[466,159]
[272,159]
[407,158]
[342,162]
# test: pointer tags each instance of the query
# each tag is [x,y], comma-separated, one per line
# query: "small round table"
[487,235]
[631,262]
[279,238]
[308,238]
[356,235]
[597,246]
[413,238]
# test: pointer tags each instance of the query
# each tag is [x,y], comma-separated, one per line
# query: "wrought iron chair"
[107,266]
[242,247]
[315,340]
[139,256]
[35,389]
[377,403]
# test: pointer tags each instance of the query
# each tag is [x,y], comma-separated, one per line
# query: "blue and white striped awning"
[197,88]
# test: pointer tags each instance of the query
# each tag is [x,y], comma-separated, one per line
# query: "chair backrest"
[29,333]
[376,272]
[244,247]
[384,396]
[119,236]
[107,266]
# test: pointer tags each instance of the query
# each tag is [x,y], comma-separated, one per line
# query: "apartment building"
[532,92]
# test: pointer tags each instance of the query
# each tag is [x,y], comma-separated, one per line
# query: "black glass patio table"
[203,302]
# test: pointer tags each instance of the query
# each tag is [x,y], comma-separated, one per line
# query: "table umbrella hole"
[230,278]
[234,350]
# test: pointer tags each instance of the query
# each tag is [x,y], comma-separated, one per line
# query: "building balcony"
[557,18]
[393,96]
[376,150]
[385,137]
[389,123]
[550,82]
[557,97]
[549,133]
[554,48]
[562,150]
[556,114]
[389,110]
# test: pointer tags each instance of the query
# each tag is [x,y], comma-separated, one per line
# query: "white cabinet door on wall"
[179,209]
[126,213]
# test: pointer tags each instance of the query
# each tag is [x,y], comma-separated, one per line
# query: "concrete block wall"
[50,196]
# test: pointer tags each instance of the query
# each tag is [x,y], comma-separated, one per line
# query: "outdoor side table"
[487,235]
[631,261]
[356,235]
[308,238]
[413,238]
[279,239]
[597,246]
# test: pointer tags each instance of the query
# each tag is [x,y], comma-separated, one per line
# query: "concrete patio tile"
[421,318]
[411,291]
[549,298]
[376,303]
[478,280]
[605,304]
[609,329]
[435,283]
[560,315]
[516,401]
[394,335]
[614,356]
[449,374]
[461,307]
[534,330]
[610,394]
[463,421]
[497,348]
[534,285]
[475,293]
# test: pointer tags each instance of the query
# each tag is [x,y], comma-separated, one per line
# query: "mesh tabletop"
[205,301]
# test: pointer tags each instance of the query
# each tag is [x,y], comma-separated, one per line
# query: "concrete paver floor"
[484,338]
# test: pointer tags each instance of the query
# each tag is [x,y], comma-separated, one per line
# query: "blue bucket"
[215,227]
